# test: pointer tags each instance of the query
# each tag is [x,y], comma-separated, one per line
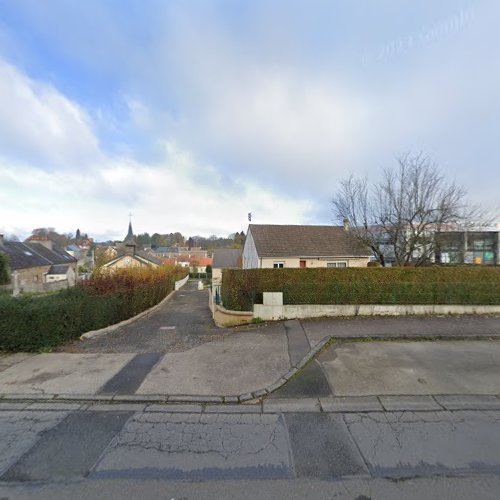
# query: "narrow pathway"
[182,323]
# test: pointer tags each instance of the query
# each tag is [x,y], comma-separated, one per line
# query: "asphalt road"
[52,452]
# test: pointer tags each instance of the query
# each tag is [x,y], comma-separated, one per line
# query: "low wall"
[224,317]
[273,309]
[277,312]
[181,283]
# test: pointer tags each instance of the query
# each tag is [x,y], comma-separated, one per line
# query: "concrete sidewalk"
[254,361]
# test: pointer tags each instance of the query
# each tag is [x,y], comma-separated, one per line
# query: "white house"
[278,246]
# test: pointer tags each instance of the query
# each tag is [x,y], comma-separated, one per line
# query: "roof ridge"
[39,254]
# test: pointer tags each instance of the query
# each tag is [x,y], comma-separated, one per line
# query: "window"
[278,265]
[337,264]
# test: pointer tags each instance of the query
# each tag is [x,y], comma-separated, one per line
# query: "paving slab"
[469,402]
[292,405]
[243,362]
[409,444]
[413,368]
[197,447]
[322,447]
[410,403]
[19,431]
[350,404]
[56,373]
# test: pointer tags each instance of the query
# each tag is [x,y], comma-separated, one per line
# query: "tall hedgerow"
[35,323]
[241,288]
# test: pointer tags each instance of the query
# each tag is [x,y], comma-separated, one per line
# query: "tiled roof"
[305,241]
[170,261]
[201,261]
[31,254]
[225,258]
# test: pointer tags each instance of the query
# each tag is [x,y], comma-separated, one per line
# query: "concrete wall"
[293,262]
[272,309]
[181,283]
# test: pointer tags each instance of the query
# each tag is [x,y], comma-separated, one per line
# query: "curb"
[111,328]
[330,404]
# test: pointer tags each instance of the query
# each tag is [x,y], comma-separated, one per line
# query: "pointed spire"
[130,238]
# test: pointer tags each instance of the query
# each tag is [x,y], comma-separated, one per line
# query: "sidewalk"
[255,361]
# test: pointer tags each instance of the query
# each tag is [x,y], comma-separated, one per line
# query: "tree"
[399,217]
[143,239]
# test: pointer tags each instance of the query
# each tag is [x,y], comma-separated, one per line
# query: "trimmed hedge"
[34,323]
[4,270]
[241,288]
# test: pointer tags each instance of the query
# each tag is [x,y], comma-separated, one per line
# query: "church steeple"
[129,241]
[130,238]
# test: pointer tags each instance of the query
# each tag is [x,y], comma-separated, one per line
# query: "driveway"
[183,322]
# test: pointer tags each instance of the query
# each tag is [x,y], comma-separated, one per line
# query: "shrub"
[33,323]
[4,270]
[436,285]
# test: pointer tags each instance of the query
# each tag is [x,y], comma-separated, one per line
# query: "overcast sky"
[190,114]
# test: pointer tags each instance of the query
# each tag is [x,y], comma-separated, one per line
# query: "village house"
[290,246]
[36,265]
[129,257]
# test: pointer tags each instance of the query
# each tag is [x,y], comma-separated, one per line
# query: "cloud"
[164,197]
[193,116]
[39,124]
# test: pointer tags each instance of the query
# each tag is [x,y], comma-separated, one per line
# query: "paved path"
[49,451]
[184,321]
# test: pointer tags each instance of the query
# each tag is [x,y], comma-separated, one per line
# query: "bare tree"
[398,218]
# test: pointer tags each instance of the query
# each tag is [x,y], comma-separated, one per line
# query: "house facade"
[31,264]
[296,246]
[129,257]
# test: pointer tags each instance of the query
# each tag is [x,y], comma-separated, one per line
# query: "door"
[302,263]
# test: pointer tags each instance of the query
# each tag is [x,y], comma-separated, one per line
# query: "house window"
[278,265]
[342,263]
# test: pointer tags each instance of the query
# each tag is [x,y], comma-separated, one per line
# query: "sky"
[191,114]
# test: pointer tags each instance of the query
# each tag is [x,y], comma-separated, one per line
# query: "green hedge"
[435,285]
[38,323]
[4,270]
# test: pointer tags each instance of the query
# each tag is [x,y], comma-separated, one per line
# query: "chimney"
[346,224]
[1,239]
[46,243]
